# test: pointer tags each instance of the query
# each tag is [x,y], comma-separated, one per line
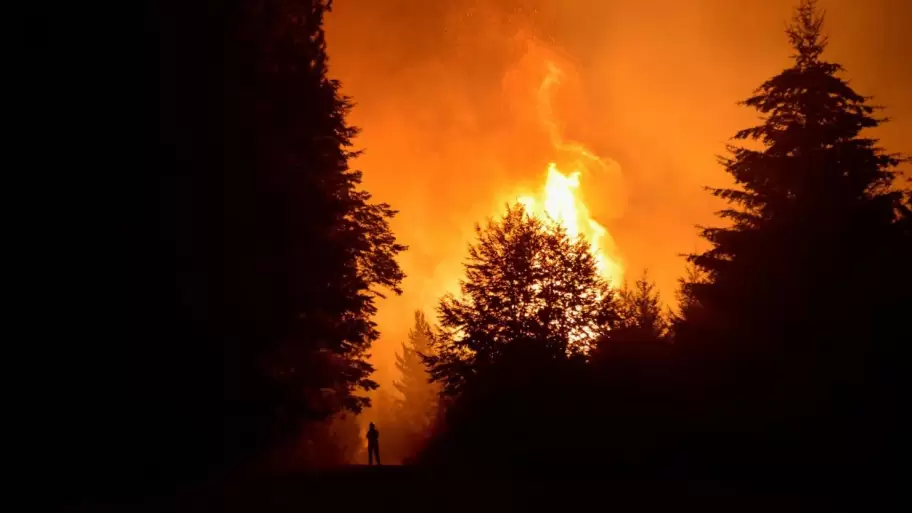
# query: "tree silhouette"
[906,216]
[320,246]
[418,406]
[262,256]
[640,311]
[527,284]
[511,350]
[631,369]
[796,296]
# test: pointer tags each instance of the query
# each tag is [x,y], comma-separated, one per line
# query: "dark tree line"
[787,351]
[237,308]
[233,317]
[284,253]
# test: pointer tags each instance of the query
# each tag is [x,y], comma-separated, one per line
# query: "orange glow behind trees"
[561,200]
[463,105]
[560,203]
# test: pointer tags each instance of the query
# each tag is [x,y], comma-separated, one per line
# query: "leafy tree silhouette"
[527,283]
[512,347]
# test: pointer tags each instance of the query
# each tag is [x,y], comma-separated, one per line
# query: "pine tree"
[418,406]
[641,311]
[809,201]
[273,254]
[688,306]
[906,217]
[318,246]
[640,324]
[798,296]
[631,378]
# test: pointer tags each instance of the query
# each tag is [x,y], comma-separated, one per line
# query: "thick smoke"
[445,99]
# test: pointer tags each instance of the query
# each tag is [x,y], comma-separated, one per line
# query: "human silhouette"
[373,444]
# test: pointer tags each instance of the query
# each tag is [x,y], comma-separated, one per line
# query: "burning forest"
[359,242]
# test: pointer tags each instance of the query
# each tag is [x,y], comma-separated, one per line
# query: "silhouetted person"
[373,444]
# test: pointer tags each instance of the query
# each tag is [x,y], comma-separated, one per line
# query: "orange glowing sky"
[446,97]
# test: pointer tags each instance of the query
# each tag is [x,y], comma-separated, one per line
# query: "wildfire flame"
[561,203]
[560,200]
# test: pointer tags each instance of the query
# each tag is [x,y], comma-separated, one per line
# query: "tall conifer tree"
[798,297]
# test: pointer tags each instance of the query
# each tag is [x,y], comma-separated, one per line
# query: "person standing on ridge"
[373,444]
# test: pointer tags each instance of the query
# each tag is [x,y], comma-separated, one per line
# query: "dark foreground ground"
[404,489]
